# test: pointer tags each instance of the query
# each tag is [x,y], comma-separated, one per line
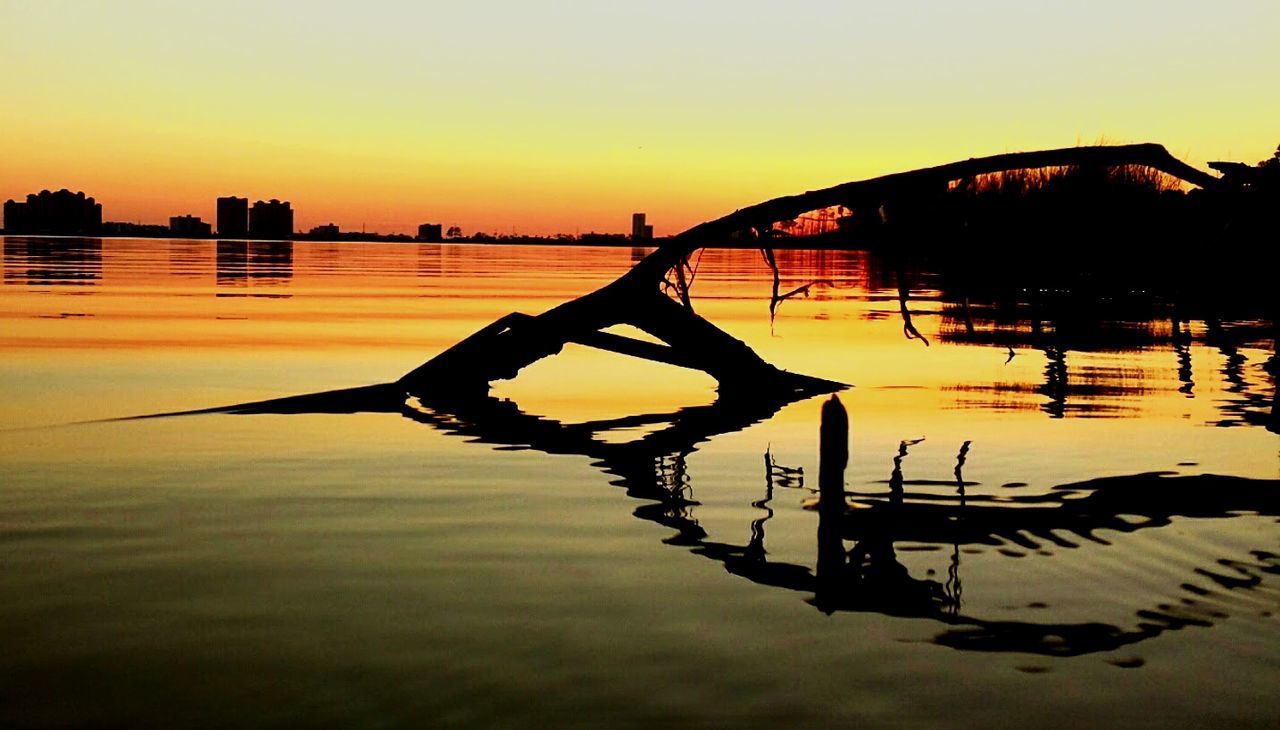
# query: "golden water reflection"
[427,546]
[67,297]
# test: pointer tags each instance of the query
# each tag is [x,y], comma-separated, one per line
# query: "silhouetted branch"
[502,349]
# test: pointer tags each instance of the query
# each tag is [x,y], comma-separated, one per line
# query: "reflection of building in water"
[232,263]
[188,259]
[233,217]
[61,213]
[430,260]
[253,264]
[271,219]
[52,262]
[189,226]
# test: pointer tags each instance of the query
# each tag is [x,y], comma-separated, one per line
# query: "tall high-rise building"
[431,232]
[233,217]
[640,231]
[271,219]
[59,213]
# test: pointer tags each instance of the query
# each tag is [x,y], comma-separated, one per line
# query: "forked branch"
[502,349]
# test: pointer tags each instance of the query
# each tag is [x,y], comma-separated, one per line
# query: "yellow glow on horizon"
[503,117]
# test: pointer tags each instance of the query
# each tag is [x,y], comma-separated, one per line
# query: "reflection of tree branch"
[1059,639]
[782,476]
[776,297]
[896,492]
[904,294]
[755,548]
[954,587]
[1109,504]
[960,459]
[869,577]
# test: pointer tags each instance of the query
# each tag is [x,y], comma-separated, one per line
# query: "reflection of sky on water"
[338,519]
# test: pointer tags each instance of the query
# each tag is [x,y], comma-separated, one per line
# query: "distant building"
[62,213]
[233,217]
[189,226]
[640,231]
[271,219]
[431,232]
[592,238]
[329,229]
[135,230]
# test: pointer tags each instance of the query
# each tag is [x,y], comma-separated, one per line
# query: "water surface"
[395,569]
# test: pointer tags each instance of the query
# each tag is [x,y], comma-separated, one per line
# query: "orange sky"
[501,117]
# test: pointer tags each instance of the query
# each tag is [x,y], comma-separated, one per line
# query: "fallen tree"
[500,350]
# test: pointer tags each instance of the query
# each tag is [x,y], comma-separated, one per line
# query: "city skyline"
[66,212]
[498,115]
[233,217]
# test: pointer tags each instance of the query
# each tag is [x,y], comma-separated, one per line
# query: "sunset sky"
[564,116]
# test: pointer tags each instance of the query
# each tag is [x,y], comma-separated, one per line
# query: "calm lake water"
[411,569]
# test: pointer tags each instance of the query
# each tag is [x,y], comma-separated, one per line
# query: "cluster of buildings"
[266,219]
[61,213]
[64,213]
[189,226]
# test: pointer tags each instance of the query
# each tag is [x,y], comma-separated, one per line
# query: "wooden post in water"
[833,451]
[833,457]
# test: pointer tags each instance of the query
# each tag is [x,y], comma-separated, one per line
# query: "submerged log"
[500,350]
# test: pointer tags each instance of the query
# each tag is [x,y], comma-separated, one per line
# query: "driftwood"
[500,350]
[450,394]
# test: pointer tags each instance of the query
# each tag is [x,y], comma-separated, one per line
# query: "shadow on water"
[859,533]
